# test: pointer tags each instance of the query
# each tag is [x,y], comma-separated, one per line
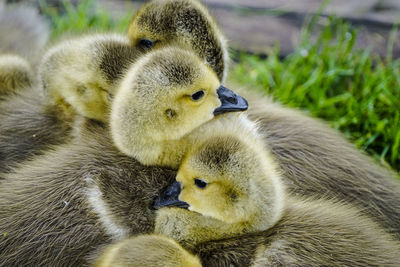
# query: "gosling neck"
[268,201]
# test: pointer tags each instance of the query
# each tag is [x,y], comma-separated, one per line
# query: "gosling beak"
[170,197]
[230,101]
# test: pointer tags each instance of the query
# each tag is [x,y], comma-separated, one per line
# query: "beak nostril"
[232,100]
[173,190]
[169,193]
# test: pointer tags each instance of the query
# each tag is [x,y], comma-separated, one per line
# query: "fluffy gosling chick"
[164,96]
[233,194]
[181,22]
[15,74]
[231,182]
[81,73]
[147,251]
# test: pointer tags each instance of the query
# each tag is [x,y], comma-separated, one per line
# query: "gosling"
[165,96]
[232,191]
[81,73]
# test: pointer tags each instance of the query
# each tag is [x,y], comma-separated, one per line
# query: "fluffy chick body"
[29,127]
[63,207]
[311,232]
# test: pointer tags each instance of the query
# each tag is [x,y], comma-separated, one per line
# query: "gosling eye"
[146,44]
[200,183]
[197,96]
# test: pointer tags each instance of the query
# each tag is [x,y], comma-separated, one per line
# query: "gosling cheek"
[195,208]
[183,197]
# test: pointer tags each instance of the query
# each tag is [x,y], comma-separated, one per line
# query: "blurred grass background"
[356,91]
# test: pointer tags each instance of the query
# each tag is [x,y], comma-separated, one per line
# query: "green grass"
[86,17]
[357,92]
[353,89]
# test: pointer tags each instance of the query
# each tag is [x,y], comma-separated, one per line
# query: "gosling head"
[15,74]
[81,73]
[180,22]
[165,95]
[147,250]
[227,179]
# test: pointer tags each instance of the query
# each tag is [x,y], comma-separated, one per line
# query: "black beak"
[230,101]
[170,197]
